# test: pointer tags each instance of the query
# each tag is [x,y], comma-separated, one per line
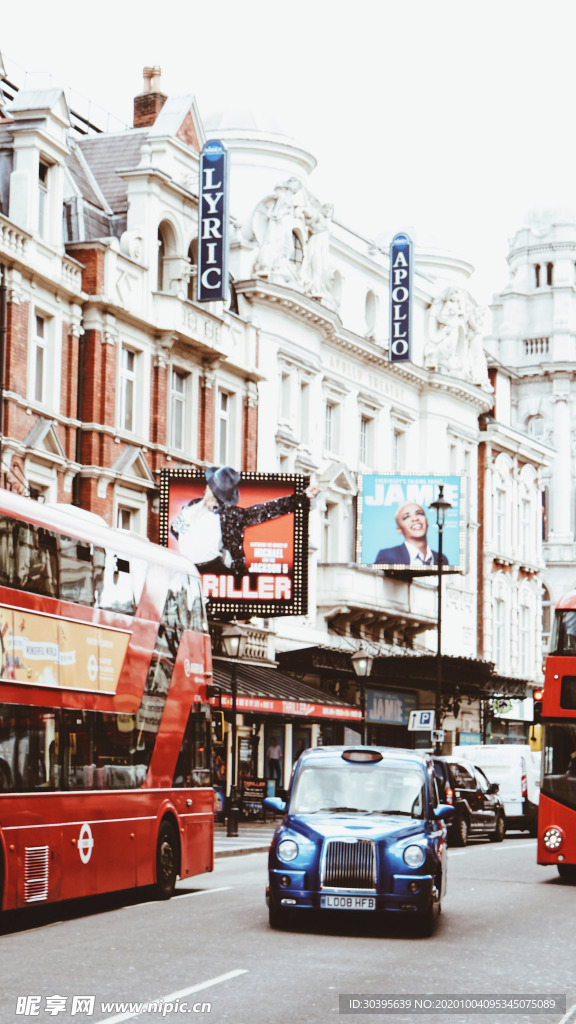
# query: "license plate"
[348,902]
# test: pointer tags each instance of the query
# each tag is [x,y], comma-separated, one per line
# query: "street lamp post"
[441,506]
[362,665]
[234,642]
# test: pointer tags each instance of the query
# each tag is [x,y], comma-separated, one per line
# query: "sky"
[450,120]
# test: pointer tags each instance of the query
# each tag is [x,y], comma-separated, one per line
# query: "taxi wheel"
[167,849]
[426,924]
[277,918]
[498,834]
[460,831]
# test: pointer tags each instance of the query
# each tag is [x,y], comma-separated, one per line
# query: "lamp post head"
[233,640]
[362,664]
[440,506]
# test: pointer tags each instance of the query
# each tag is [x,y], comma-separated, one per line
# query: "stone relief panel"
[293,231]
[454,342]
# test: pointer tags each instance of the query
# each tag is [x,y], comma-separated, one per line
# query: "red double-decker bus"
[557,806]
[104,722]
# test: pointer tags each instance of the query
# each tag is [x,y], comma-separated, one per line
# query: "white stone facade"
[534,335]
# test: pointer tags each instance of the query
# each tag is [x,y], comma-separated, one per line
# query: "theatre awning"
[266,691]
[410,668]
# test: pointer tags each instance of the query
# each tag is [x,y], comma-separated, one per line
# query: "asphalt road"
[506,929]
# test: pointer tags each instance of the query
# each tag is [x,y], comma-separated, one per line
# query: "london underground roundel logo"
[85,843]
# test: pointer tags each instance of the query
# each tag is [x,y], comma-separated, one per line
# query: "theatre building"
[120,392]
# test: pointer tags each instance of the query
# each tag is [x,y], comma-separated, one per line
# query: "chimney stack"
[149,103]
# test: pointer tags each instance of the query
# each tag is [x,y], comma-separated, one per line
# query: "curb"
[241,852]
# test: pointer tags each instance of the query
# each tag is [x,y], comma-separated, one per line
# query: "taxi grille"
[349,865]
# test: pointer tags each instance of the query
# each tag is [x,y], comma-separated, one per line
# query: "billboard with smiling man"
[397,528]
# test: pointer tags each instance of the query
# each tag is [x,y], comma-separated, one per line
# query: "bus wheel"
[567,872]
[166,861]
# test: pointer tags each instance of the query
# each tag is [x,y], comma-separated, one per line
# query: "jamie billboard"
[247,533]
[397,529]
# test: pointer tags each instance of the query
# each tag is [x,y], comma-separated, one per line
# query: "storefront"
[276,717]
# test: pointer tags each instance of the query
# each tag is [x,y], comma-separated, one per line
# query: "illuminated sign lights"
[274,577]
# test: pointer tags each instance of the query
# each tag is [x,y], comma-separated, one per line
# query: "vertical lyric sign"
[400,297]
[213,227]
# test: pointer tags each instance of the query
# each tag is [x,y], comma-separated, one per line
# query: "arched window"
[166,255]
[371,310]
[193,261]
[536,425]
[537,274]
[549,273]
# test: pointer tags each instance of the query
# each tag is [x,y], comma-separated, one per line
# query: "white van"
[516,769]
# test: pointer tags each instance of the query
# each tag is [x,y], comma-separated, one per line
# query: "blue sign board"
[397,529]
[389,707]
[400,298]
[213,223]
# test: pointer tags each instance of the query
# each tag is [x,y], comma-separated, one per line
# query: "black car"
[479,810]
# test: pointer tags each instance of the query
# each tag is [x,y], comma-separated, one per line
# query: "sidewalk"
[253,837]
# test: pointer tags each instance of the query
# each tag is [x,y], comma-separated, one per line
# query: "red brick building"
[111,370]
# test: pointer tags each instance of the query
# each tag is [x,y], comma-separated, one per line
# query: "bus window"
[26,735]
[36,560]
[563,636]
[568,693]
[559,777]
[186,605]
[76,571]
[192,767]
[7,559]
[121,582]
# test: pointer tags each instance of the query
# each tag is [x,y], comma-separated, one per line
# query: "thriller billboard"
[247,533]
[398,530]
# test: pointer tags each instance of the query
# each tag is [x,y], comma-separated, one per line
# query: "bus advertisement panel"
[557,710]
[104,719]
[247,534]
[397,528]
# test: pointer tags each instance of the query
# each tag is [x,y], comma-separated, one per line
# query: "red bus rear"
[557,807]
[104,722]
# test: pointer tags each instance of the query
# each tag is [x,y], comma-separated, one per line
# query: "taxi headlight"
[287,849]
[414,856]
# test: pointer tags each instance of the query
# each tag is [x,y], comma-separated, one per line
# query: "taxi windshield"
[360,789]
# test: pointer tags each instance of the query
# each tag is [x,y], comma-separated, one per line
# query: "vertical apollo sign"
[213,233]
[400,297]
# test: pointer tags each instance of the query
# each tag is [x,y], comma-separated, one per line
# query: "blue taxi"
[363,831]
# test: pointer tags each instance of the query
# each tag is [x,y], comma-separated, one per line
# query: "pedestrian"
[274,758]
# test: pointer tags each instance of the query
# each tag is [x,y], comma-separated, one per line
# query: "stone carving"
[293,232]
[317,273]
[455,341]
[279,219]
[131,243]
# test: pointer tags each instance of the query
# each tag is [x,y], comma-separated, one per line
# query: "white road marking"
[569,1016]
[171,998]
